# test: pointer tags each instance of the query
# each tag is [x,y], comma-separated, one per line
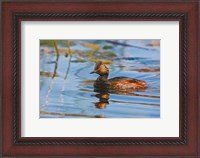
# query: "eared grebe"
[116,83]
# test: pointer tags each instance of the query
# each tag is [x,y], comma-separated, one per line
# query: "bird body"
[116,83]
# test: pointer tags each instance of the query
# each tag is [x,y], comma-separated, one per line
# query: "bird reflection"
[104,95]
[103,99]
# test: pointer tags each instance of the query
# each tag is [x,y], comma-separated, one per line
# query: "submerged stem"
[68,67]
[54,72]
[56,47]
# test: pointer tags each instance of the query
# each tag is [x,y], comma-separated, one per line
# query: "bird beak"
[93,72]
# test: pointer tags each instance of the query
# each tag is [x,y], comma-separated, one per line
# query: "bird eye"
[98,68]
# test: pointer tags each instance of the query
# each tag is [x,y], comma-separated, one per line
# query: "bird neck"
[104,76]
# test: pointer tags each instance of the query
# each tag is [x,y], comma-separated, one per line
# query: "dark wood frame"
[187,144]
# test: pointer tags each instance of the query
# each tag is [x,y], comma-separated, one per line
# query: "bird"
[117,83]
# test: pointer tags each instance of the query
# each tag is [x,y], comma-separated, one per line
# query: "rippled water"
[75,96]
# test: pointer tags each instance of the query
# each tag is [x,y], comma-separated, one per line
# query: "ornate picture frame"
[184,145]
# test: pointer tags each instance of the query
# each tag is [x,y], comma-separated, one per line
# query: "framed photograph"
[100,79]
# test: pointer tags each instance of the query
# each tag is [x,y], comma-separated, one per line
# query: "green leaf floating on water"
[46,43]
[48,74]
[104,61]
[107,47]
[90,45]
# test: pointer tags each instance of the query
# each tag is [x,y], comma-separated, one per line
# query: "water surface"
[66,87]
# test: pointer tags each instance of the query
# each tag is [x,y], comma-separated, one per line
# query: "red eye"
[98,68]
